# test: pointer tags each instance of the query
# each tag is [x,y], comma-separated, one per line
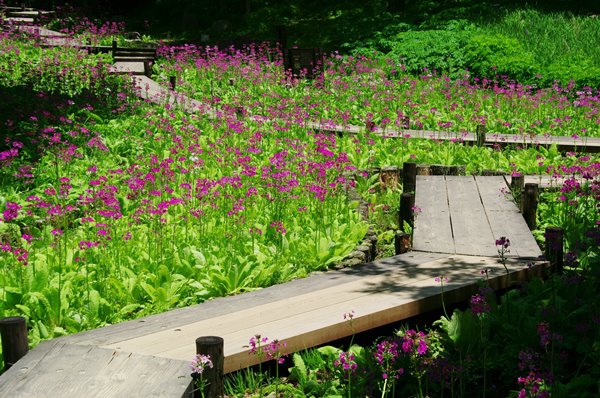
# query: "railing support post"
[407,204]
[147,68]
[213,347]
[480,132]
[517,183]
[554,248]
[388,177]
[13,332]
[402,243]
[409,177]
[530,201]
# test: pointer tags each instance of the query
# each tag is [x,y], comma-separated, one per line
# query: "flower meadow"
[374,92]
[113,208]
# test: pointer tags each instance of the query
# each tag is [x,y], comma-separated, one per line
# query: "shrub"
[433,49]
[581,70]
[488,55]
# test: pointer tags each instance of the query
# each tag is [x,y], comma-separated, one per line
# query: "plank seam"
[449,214]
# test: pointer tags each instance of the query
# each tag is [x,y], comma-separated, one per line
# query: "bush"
[433,49]
[488,55]
[581,70]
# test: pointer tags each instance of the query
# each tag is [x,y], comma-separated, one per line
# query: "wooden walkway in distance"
[466,214]
[585,144]
[158,93]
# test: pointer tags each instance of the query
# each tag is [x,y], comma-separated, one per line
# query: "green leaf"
[329,351]
[298,372]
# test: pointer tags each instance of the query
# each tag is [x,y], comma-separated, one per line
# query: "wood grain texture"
[317,317]
[505,219]
[433,232]
[470,226]
[69,370]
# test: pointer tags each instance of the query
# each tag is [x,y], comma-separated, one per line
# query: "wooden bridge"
[454,237]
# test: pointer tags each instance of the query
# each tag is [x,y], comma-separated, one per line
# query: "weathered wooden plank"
[308,301]
[470,226]
[495,194]
[376,302]
[127,67]
[546,181]
[432,231]
[69,370]
[371,311]
[213,308]
[12,378]
[387,291]
[513,226]
[505,219]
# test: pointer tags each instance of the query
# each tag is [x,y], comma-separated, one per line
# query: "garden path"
[466,214]
[150,356]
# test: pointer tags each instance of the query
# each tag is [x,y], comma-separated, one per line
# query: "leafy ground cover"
[113,209]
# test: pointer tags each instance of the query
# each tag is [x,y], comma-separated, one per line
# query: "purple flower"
[200,363]
[503,242]
[346,361]
[479,305]
[11,212]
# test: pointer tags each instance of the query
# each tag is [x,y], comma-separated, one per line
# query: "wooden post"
[281,37]
[13,332]
[114,49]
[402,242]
[480,134]
[370,125]
[530,200]
[456,170]
[213,347]
[517,183]
[554,248]
[147,68]
[239,112]
[388,177]
[423,170]
[407,203]
[172,81]
[405,122]
[409,177]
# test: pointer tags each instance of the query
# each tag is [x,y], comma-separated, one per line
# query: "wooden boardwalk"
[150,356]
[158,93]
[466,214]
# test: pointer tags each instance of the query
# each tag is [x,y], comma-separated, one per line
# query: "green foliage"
[580,69]
[65,70]
[438,50]
[490,55]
